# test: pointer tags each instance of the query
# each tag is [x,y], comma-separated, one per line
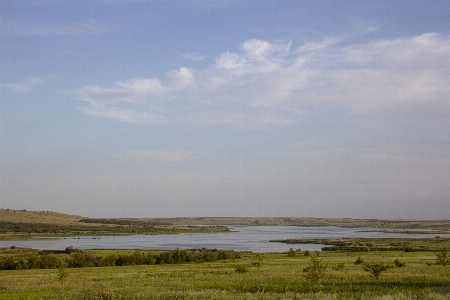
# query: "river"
[243,238]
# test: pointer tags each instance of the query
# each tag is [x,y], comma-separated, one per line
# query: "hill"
[44,217]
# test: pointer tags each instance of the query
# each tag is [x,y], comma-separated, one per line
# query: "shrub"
[399,264]
[241,269]
[307,253]
[442,258]
[315,270]
[49,261]
[291,253]
[375,269]
[62,271]
[359,261]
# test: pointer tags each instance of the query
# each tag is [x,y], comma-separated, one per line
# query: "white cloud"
[17,27]
[267,83]
[23,87]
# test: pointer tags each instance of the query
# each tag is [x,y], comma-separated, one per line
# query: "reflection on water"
[245,238]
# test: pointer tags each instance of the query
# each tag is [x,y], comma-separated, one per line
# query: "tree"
[375,268]
[442,258]
[315,270]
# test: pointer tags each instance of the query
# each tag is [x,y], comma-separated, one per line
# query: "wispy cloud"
[194,56]
[14,27]
[24,86]
[269,83]
[88,26]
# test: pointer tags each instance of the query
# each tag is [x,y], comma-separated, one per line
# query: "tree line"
[78,259]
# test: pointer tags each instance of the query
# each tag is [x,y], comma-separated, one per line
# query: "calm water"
[247,238]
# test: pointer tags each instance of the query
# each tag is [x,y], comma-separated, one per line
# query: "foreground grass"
[279,277]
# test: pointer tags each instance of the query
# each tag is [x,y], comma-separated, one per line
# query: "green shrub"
[291,253]
[315,270]
[442,258]
[359,261]
[62,271]
[398,263]
[376,268]
[241,269]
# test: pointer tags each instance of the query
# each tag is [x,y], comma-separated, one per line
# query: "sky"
[194,108]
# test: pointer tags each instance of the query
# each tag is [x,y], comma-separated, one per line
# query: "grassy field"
[278,277]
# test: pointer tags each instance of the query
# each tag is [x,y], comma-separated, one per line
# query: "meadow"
[249,276]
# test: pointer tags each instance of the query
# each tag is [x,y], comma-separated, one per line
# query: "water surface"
[245,238]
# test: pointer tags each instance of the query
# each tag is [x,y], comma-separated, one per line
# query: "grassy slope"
[46,217]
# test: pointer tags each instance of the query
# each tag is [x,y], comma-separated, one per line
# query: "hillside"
[45,217]
[48,217]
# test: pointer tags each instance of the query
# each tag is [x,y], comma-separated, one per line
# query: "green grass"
[279,277]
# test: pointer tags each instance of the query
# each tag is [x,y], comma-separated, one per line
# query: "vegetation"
[62,271]
[376,268]
[315,270]
[416,272]
[402,226]
[258,262]
[398,263]
[442,258]
[281,277]
[23,258]
[376,244]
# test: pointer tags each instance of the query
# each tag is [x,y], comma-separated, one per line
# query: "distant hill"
[44,217]
[309,222]
[49,217]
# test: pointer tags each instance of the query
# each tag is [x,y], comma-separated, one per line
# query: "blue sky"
[226,108]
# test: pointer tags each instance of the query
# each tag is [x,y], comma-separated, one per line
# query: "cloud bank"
[268,83]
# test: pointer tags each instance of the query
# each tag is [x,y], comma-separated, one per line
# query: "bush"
[359,261]
[442,258]
[49,261]
[375,269]
[62,271]
[315,270]
[399,264]
[291,253]
[241,269]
